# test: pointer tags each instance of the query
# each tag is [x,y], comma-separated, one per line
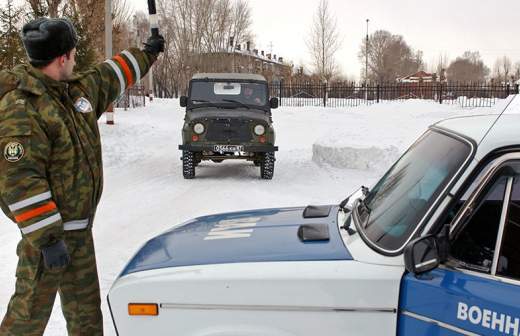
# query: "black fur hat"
[45,39]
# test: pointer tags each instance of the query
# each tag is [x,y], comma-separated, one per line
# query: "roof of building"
[237,76]
[489,131]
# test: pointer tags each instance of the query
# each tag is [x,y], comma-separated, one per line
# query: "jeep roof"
[225,76]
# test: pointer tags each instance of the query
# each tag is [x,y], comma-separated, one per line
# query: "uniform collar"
[56,87]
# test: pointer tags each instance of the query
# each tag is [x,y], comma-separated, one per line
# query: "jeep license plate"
[228,148]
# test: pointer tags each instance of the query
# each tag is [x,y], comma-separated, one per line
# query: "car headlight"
[259,129]
[198,128]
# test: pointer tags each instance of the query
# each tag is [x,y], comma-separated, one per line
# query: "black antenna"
[496,120]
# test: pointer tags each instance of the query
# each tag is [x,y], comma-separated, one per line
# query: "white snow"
[325,153]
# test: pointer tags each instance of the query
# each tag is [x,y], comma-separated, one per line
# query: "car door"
[477,291]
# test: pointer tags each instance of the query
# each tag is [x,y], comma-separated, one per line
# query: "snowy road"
[145,193]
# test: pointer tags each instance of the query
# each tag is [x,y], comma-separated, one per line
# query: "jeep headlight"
[198,128]
[259,129]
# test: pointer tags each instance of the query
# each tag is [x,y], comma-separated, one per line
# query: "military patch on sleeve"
[13,152]
[83,105]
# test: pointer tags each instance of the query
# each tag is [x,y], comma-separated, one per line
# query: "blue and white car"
[433,248]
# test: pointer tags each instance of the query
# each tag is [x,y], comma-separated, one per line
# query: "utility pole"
[366,65]
[108,51]
[366,56]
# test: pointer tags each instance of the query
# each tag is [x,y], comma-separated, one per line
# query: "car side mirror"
[273,102]
[183,101]
[421,255]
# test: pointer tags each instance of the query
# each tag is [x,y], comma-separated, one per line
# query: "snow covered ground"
[145,193]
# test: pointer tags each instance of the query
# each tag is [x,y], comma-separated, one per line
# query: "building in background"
[243,59]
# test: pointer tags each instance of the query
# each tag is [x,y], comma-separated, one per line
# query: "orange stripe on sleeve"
[126,69]
[35,212]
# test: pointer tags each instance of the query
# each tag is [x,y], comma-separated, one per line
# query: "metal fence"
[134,96]
[350,94]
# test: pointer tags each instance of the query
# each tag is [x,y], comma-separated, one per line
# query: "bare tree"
[324,42]
[193,28]
[389,57]
[502,69]
[516,71]
[468,68]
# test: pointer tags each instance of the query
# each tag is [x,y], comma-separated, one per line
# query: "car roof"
[489,131]
[237,76]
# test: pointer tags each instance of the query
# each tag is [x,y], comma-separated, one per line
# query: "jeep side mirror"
[421,255]
[183,101]
[273,102]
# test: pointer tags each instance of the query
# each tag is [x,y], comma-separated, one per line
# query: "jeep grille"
[228,130]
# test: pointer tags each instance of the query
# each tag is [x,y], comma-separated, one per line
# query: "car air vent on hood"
[313,232]
[316,211]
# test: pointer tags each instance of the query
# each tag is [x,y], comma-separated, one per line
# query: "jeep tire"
[267,166]
[188,164]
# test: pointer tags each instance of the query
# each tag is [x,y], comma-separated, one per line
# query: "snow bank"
[364,158]
[373,137]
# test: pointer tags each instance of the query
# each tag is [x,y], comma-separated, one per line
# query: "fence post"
[440,93]
[516,88]
[508,90]
[325,94]
[280,92]
[378,92]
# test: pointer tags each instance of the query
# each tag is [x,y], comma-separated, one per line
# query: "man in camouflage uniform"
[51,172]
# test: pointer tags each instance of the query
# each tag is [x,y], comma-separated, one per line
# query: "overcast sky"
[436,27]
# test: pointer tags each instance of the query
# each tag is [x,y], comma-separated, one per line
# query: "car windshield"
[229,93]
[391,211]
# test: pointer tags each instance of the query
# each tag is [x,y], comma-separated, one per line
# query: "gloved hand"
[55,255]
[154,45]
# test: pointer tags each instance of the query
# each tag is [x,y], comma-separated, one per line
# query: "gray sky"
[436,27]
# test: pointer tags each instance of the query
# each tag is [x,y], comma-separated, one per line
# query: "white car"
[432,249]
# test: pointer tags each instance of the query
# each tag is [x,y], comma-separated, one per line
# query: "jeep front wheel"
[267,166]
[188,164]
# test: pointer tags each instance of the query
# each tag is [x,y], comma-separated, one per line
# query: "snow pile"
[365,158]
[373,137]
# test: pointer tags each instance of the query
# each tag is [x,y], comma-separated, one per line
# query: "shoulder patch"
[83,105]
[13,151]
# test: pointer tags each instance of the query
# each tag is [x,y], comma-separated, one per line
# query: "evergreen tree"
[11,47]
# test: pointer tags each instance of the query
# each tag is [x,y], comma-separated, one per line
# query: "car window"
[474,245]
[404,194]
[509,258]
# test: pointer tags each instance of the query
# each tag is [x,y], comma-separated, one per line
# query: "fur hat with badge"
[45,39]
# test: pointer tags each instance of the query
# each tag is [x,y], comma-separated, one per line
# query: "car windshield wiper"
[200,101]
[343,204]
[236,101]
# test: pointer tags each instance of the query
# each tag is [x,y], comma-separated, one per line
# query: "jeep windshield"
[393,209]
[228,94]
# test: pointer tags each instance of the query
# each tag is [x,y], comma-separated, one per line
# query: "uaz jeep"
[228,116]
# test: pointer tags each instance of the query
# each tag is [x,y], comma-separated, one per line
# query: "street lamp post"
[366,55]
[366,65]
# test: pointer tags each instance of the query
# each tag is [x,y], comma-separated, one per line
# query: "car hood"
[213,113]
[266,235]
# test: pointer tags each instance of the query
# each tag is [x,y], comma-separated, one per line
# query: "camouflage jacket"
[51,173]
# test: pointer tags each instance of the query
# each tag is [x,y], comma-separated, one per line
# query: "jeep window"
[228,94]
[392,210]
